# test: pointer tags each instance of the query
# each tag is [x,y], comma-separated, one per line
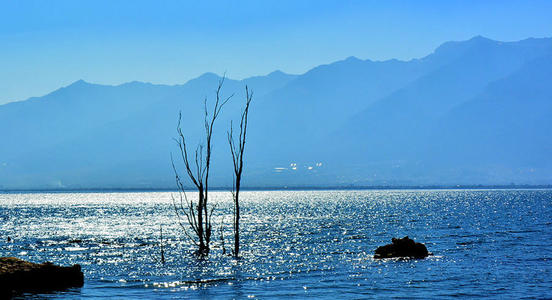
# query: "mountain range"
[472,112]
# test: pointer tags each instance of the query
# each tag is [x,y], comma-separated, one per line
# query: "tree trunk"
[237,222]
[202,246]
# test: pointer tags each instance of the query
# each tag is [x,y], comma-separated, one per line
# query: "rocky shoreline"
[19,276]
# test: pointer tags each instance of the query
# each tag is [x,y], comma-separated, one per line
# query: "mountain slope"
[506,127]
[84,133]
[397,127]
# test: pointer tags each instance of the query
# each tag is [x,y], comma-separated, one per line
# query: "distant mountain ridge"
[471,112]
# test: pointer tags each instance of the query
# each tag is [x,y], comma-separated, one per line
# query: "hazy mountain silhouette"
[475,111]
[398,129]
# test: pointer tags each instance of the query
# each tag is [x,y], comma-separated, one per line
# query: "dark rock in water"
[19,276]
[404,247]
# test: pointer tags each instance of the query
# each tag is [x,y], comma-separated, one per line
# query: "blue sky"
[48,44]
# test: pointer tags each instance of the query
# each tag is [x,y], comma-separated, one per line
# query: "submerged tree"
[237,151]
[197,214]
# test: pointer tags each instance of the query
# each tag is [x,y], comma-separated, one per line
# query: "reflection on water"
[318,244]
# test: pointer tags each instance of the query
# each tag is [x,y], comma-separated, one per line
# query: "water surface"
[296,244]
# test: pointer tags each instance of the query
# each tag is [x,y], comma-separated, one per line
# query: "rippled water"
[487,243]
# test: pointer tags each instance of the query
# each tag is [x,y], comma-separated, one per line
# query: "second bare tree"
[237,149]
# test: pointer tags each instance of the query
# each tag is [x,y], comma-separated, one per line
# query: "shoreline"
[285,188]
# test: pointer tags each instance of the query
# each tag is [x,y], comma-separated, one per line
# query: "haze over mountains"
[472,112]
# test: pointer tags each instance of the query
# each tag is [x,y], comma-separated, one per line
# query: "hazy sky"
[48,44]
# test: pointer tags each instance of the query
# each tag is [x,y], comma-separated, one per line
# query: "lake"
[295,244]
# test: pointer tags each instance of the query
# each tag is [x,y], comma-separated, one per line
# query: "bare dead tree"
[197,215]
[237,151]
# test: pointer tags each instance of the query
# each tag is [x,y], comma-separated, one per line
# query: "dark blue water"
[296,244]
